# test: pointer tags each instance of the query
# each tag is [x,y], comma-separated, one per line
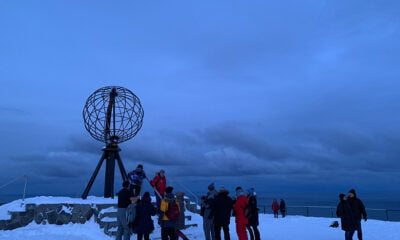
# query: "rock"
[39,216]
[63,218]
[13,225]
[4,224]
[51,216]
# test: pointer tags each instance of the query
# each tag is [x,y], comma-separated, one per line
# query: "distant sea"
[266,199]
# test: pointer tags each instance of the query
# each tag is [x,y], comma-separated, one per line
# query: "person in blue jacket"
[136,178]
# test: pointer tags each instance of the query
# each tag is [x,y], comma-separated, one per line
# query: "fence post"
[264,210]
[307,211]
[332,212]
[387,215]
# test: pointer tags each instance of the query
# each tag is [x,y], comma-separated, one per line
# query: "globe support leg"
[109,178]
[94,175]
[110,155]
[121,167]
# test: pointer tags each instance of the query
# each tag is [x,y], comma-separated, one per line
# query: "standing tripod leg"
[96,171]
[109,179]
[121,167]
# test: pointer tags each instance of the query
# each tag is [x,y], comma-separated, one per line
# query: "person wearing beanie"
[250,192]
[124,199]
[282,207]
[208,218]
[239,192]
[254,191]
[252,216]
[180,198]
[136,178]
[240,216]
[144,224]
[159,183]
[344,212]
[170,214]
[275,208]
[221,211]
[211,187]
[358,208]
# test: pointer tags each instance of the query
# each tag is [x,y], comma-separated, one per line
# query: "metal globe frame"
[111,115]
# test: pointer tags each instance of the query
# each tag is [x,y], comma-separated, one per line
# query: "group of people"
[159,183]
[279,207]
[135,212]
[218,207]
[351,210]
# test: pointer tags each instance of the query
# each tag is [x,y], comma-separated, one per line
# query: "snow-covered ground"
[289,228]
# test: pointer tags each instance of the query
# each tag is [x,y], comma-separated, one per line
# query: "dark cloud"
[12,111]
[53,164]
[292,91]
[226,148]
[313,155]
[230,135]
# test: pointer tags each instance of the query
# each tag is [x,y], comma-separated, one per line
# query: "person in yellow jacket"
[170,214]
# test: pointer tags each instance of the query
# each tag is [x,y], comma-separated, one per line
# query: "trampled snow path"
[289,228]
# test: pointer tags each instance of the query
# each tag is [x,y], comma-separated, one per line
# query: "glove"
[365,219]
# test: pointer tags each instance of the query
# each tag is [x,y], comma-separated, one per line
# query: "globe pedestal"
[110,154]
[111,115]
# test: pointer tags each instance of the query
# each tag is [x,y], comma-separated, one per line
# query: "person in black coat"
[282,208]
[124,199]
[221,211]
[344,212]
[358,208]
[252,216]
[144,224]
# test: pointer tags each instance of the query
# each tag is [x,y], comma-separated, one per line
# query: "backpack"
[172,211]
[133,215]
[247,211]
[334,224]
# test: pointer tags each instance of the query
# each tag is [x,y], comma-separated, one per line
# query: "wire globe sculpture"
[113,114]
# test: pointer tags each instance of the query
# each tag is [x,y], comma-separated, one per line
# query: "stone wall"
[61,213]
[53,214]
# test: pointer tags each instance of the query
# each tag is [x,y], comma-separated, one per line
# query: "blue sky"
[294,95]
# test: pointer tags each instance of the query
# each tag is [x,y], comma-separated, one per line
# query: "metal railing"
[25,177]
[330,211]
[187,190]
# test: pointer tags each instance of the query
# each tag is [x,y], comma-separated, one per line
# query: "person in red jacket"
[159,183]
[240,218]
[275,208]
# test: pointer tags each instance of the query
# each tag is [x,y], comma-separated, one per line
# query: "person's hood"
[212,194]
[223,192]
[169,197]
[250,192]
[146,198]
[179,194]
[354,192]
